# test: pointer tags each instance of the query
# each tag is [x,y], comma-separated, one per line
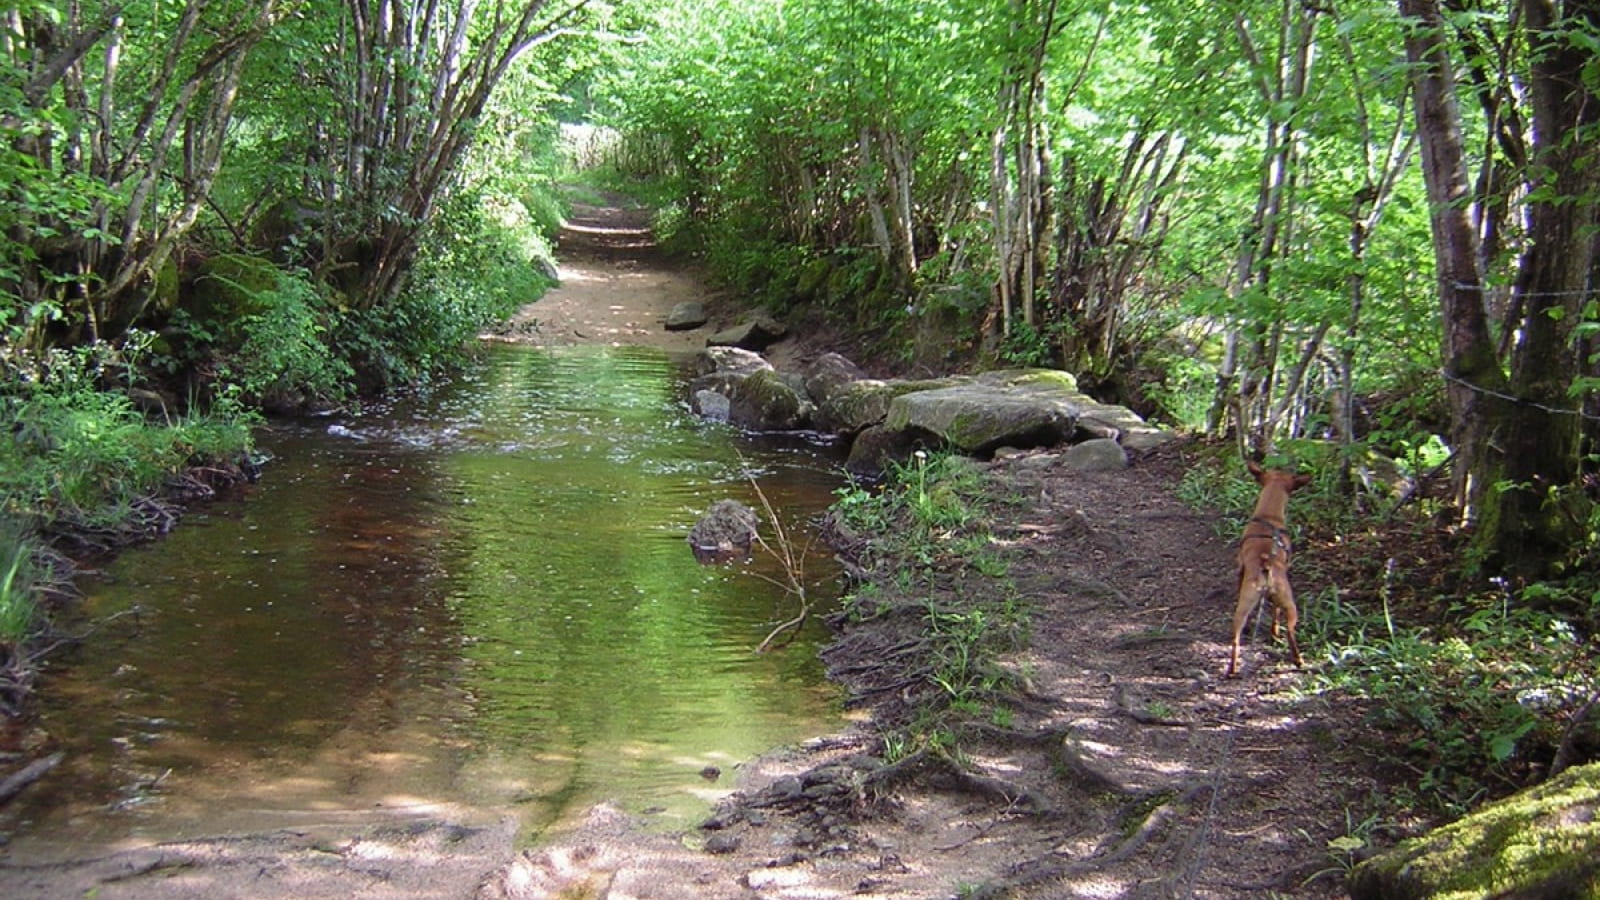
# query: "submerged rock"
[726,532]
[709,404]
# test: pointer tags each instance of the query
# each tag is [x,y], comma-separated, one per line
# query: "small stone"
[722,843]
[711,405]
[686,316]
[1098,455]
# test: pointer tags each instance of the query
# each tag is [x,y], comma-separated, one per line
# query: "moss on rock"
[1542,842]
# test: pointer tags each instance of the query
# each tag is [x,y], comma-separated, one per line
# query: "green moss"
[812,279]
[1043,378]
[164,292]
[232,286]
[1543,842]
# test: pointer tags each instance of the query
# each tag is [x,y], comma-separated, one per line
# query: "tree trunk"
[1474,381]
[1538,520]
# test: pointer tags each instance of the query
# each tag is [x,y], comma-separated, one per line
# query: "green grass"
[80,455]
[17,610]
[933,557]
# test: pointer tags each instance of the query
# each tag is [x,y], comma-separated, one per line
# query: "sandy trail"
[616,288]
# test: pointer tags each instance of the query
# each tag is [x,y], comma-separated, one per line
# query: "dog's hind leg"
[1283,604]
[1249,597]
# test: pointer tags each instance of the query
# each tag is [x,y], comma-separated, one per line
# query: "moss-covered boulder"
[766,401]
[862,404]
[1541,843]
[986,414]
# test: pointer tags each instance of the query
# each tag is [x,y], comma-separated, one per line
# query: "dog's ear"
[1300,481]
[1254,467]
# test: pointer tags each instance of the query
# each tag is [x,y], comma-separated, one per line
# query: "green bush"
[483,258]
[284,352]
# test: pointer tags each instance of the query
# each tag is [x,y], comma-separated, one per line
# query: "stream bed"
[469,604]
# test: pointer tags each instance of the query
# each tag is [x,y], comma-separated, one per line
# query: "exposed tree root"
[18,781]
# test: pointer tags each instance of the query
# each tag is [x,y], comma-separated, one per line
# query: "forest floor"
[1130,768]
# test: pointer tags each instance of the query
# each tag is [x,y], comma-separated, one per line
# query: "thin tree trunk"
[1474,380]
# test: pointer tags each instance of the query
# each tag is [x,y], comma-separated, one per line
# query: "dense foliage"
[1224,213]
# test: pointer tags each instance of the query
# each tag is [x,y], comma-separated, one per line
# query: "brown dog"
[1264,559]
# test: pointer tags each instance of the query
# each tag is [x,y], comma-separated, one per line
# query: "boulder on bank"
[726,532]
[828,374]
[862,404]
[972,414]
[720,369]
[758,332]
[982,416]
[1543,842]
[766,401]
[875,447]
[1097,455]
[687,316]
[727,359]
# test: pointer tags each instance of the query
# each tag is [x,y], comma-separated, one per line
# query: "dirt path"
[1130,771]
[615,288]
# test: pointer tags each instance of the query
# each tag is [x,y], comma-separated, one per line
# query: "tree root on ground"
[1116,848]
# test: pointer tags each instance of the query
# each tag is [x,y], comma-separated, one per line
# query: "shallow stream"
[470,604]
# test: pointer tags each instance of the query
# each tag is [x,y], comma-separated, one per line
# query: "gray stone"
[1020,408]
[978,418]
[686,316]
[828,374]
[727,359]
[711,405]
[722,842]
[1098,455]
[861,404]
[875,447]
[757,333]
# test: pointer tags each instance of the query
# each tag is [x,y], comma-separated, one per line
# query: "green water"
[472,604]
